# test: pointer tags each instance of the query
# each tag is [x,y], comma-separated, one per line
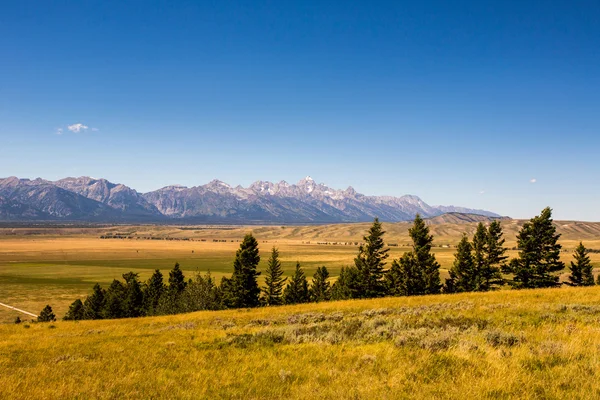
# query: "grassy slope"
[507,344]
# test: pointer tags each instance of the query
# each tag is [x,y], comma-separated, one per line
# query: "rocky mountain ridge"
[91,199]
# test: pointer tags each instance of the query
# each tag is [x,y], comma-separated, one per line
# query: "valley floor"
[505,344]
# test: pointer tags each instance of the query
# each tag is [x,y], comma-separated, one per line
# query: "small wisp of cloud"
[76,128]
[482,192]
[532,180]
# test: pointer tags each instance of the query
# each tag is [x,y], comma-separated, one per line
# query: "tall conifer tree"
[370,262]
[539,255]
[320,288]
[274,281]
[246,291]
[297,290]
[581,268]
[463,274]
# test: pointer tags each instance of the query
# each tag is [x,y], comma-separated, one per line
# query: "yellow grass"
[507,344]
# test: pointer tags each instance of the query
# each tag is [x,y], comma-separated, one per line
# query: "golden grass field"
[47,265]
[531,344]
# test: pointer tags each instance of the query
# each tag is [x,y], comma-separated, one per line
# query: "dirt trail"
[19,310]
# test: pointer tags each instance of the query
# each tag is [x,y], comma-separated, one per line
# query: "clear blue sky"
[459,102]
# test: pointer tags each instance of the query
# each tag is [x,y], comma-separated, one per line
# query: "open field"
[506,344]
[48,265]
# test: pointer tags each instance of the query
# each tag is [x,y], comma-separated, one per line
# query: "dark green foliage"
[46,315]
[153,290]
[94,304]
[75,312]
[581,268]
[245,289]
[176,280]
[201,294]
[479,248]
[18,320]
[113,301]
[297,290]
[347,284]
[370,263]
[463,275]
[274,281]
[133,303]
[320,289]
[539,255]
[228,295]
[417,272]
[490,273]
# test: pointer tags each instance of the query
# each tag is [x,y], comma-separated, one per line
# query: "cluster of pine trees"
[480,265]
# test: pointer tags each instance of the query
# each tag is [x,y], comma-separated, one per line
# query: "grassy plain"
[537,344]
[46,265]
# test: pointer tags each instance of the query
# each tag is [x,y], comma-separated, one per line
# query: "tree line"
[480,264]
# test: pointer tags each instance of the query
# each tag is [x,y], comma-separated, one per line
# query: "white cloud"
[77,128]
[533,180]
[481,191]
[95,129]
[59,131]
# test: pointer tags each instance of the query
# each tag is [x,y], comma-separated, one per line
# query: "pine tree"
[113,301]
[297,290]
[581,269]
[370,262]
[153,290]
[245,287]
[133,303]
[320,289]
[94,304]
[463,275]
[539,255]
[75,312]
[46,315]
[274,281]
[347,284]
[490,274]
[480,243]
[228,294]
[176,280]
[417,272]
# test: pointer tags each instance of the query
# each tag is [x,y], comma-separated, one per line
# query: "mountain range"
[98,200]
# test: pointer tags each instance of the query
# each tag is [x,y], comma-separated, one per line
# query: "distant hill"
[461,218]
[306,202]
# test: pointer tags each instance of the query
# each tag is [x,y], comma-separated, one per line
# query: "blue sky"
[462,102]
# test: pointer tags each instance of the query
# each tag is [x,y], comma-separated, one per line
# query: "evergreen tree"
[113,301]
[320,289]
[94,304]
[463,274]
[347,284]
[417,271]
[245,287]
[274,281]
[370,262]
[479,259]
[75,312]
[490,274]
[46,315]
[133,303]
[228,294]
[581,269]
[176,280]
[153,290]
[539,255]
[18,320]
[297,290]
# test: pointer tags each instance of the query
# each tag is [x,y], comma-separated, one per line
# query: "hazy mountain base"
[507,344]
